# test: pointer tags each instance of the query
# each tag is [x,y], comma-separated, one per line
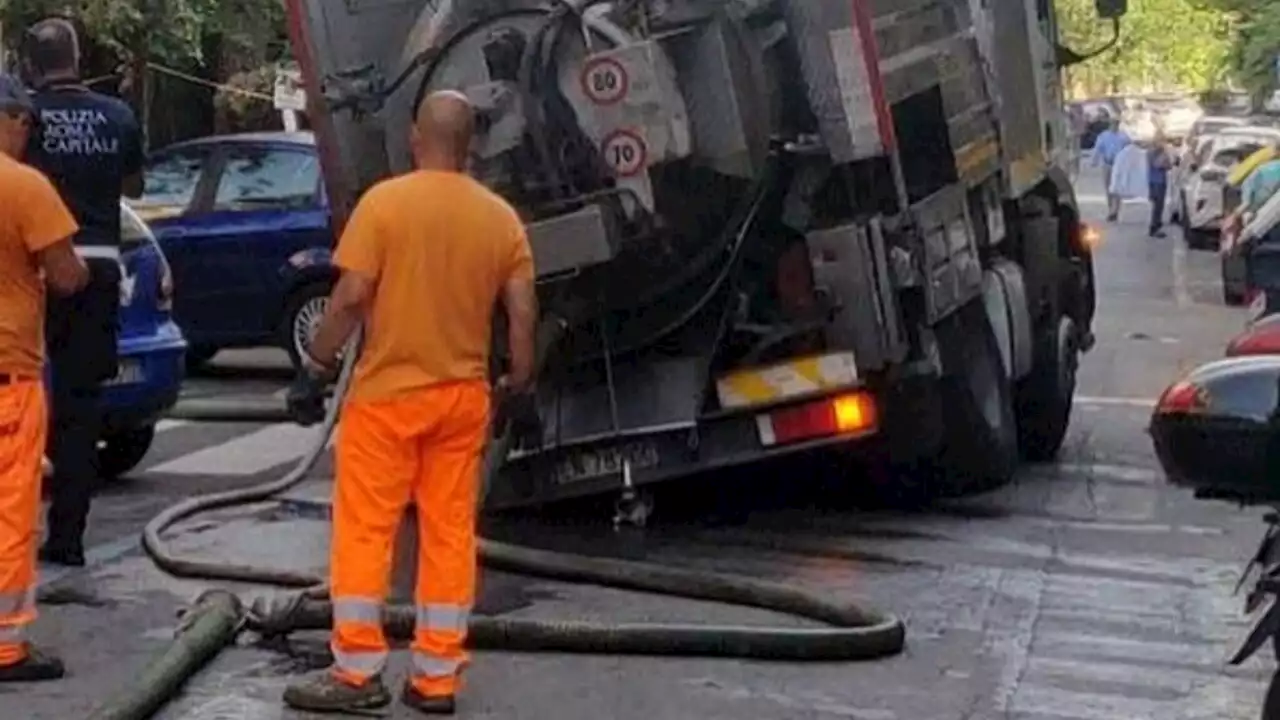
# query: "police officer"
[90,146]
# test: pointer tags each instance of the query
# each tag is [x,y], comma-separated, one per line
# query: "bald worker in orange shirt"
[424,259]
[35,251]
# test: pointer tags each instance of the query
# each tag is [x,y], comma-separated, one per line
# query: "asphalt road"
[1086,591]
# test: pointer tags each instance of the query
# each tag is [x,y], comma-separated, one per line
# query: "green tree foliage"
[1257,44]
[177,33]
[1163,44]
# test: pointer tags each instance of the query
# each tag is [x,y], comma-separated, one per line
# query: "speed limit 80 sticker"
[625,152]
[605,81]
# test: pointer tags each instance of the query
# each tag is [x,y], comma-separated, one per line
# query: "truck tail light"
[1183,398]
[1090,237]
[853,414]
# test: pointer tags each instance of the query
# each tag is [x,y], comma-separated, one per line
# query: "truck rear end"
[766,227]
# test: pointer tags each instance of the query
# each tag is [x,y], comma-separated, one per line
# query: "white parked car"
[1201,179]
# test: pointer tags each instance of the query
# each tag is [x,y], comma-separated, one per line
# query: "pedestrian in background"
[417,416]
[90,146]
[1110,143]
[1159,162]
[35,237]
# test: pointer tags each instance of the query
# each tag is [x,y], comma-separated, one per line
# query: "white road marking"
[166,425]
[1181,293]
[1144,403]
[245,455]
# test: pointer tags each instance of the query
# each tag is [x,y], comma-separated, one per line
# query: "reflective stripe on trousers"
[438,635]
[23,428]
[421,448]
[363,652]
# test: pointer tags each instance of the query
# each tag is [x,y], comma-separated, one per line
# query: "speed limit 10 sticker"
[605,81]
[625,153]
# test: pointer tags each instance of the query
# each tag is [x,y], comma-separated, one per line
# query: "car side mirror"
[1111,9]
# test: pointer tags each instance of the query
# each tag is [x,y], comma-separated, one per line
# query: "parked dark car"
[245,223]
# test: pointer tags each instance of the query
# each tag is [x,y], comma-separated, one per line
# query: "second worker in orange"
[424,258]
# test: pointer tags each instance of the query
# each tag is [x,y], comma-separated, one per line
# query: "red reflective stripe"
[871,56]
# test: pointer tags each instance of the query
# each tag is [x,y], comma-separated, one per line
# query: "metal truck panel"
[718,79]
[344,46]
[568,243]
[953,269]
[838,61]
[651,394]
[790,380]
[850,268]
[629,104]
[1002,27]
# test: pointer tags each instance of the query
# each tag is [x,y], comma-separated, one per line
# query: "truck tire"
[948,437]
[1045,396]
[980,437]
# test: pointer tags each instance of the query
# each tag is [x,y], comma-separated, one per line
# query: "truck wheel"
[302,316]
[1044,397]
[120,452]
[980,437]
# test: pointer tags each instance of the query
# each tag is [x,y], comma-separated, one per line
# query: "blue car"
[152,350]
[245,223]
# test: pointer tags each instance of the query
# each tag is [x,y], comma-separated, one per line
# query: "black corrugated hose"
[218,617]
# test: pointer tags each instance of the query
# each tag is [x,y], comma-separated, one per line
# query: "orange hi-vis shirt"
[33,218]
[440,247]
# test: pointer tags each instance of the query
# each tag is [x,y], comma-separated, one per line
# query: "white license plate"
[129,373]
[595,464]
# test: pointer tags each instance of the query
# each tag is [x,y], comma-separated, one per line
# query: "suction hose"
[854,632]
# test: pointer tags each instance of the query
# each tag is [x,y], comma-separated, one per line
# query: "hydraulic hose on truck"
[218,617]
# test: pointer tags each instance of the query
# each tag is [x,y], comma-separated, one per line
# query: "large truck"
[761,227]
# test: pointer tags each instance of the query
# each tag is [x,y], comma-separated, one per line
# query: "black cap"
[14,97]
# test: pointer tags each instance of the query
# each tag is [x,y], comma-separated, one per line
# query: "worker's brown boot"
[35,667]
[324,693]
[428,704]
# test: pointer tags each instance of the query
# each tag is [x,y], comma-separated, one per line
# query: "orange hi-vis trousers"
[23,429]
[424,447]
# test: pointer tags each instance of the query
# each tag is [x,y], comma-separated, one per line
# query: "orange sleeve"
[43,219]
[361,248]
[519,265]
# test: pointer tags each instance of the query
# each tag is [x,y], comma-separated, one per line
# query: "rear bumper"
[713,443]
[655,457]
[161,358]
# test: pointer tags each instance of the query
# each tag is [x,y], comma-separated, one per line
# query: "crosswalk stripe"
[245,455]
[166,425]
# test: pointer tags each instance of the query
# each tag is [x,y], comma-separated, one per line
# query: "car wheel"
[301,319]
[120,452]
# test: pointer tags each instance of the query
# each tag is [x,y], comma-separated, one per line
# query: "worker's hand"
[518,413]
[305,398]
